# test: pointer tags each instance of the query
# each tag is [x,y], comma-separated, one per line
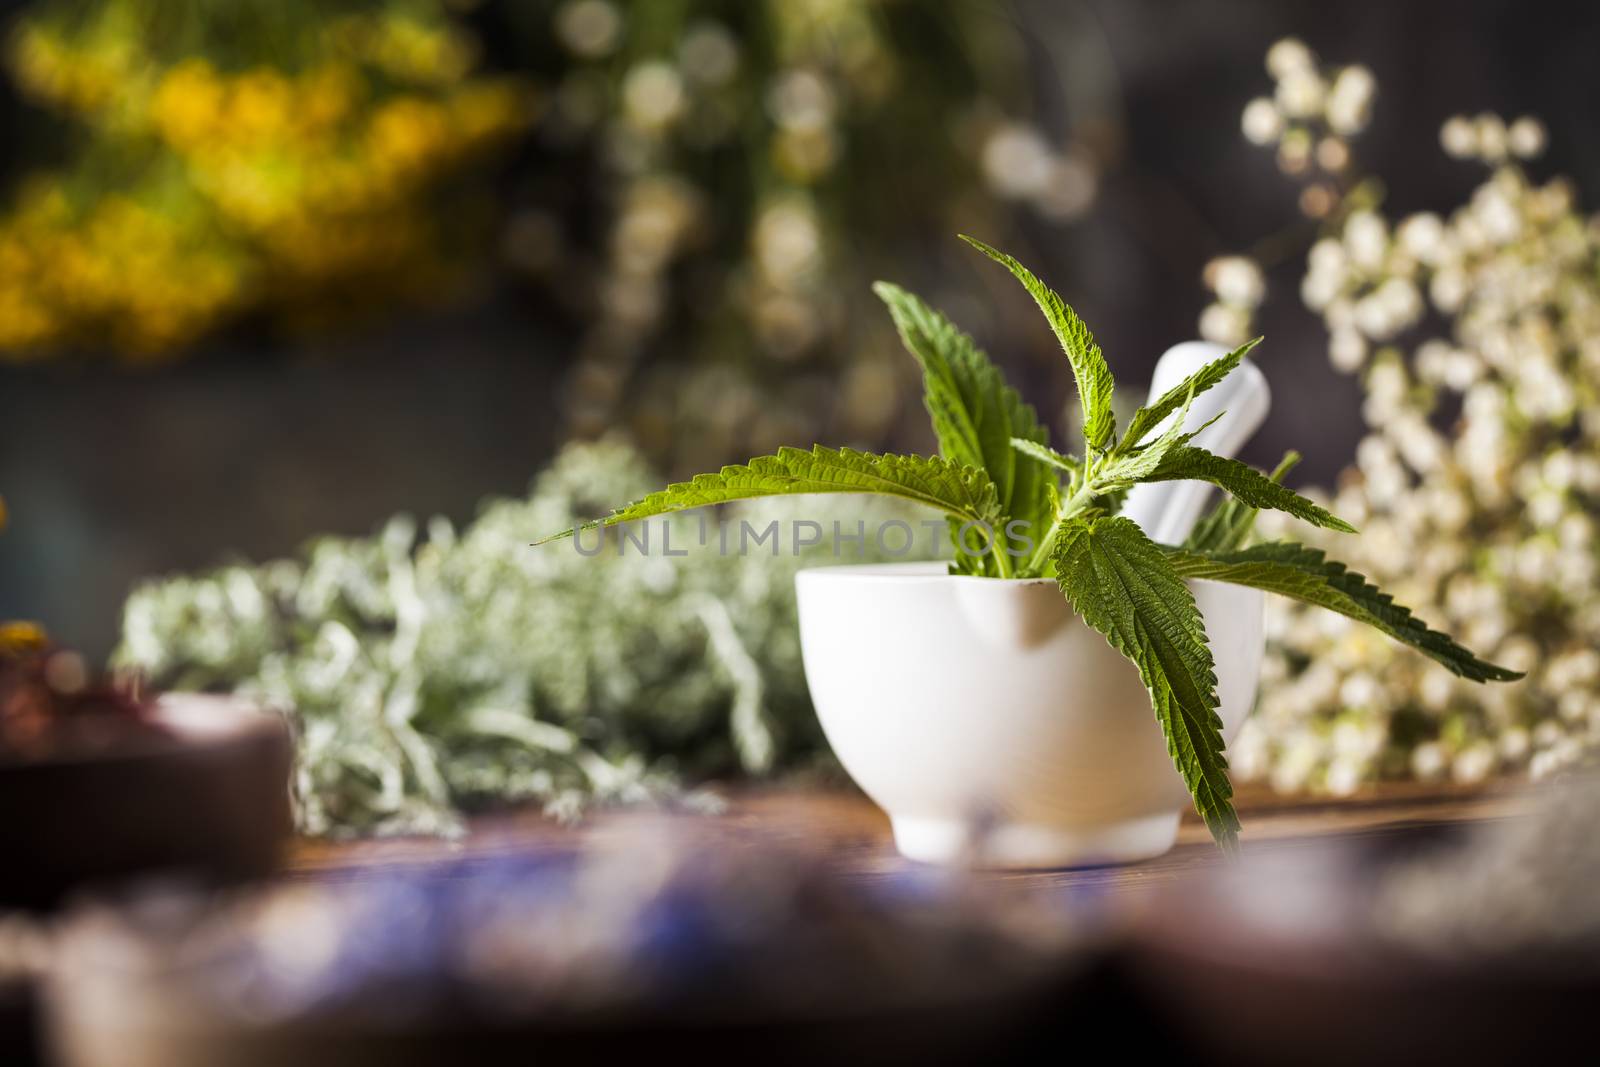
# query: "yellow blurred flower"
[259,106]
[188,103]
[245,189]
[18,638]
[405,134]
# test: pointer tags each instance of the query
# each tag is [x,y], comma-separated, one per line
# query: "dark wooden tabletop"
[856,834]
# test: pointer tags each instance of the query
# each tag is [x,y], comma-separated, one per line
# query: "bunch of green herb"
[996,470]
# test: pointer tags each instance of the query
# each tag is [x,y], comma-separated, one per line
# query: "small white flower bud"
[1526,137]
[1300,94]
[1458,137]
[1474,764]
[1236,280]
[1491,136]
[1017,161]
[1327,256]
[1319,289]
[1447,290]
[1366,238]
[1422,235]
[1349,100]
[1428,760]
[1289,56]
[1224,325]
[1261,122]
[1347,350]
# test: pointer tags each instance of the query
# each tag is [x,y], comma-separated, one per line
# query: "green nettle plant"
[997,479]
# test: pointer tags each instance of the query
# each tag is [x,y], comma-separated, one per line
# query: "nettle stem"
[998,548]
[1083,491]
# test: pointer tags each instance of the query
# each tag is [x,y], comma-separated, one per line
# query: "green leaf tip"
[1147,418]
[1306,574]
[1096,386]
[960,491]
[564,534]
[1047,455]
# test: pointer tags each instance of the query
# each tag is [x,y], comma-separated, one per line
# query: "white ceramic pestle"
[1167,511]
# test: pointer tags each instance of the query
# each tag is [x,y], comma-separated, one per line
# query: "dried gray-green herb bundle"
[1520,884]
[428,678]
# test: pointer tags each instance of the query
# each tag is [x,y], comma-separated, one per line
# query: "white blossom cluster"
[1477,336]
[1310,118]
[425,679]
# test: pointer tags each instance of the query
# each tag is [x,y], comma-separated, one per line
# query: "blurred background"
[271,269]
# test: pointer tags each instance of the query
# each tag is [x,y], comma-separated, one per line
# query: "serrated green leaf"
[975,413]
[1123,585]
[1095,384]
[1147,418]
[1306,574]
[1243,481]
[1123,470]
[1229,523]
[1045,454]
[962,492]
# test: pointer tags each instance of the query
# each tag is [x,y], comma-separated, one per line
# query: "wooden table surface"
[854,833]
